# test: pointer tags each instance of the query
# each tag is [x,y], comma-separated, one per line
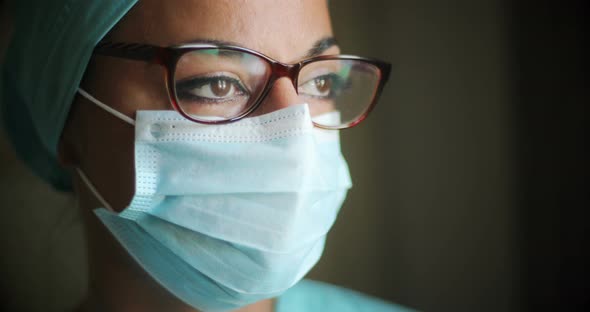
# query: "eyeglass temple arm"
[385,71]
[133,51]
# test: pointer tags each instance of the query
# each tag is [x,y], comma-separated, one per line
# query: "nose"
[282,94]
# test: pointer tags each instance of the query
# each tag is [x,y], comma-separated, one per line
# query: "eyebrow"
[318,47]
[321,46]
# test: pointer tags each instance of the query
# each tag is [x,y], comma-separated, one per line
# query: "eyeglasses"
[214,84]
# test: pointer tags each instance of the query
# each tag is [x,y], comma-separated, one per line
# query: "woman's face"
[102,145]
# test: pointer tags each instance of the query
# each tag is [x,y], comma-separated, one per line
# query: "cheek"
[109,156]
[104,147]
[104,143]
[146,90]
[127,86]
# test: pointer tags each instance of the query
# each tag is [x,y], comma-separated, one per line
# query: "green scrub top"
[312,296]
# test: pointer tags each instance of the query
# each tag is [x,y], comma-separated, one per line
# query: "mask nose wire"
[93,189]
[107,108]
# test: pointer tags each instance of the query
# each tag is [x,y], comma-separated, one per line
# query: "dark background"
[471,177]
[550,59]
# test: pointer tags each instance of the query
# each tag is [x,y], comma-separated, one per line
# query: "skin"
[102,145]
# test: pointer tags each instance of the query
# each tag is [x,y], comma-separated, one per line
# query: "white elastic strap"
[93,190]
[106,107]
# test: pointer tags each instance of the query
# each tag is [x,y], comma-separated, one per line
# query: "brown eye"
[323,85]
[220,88]
[319,86]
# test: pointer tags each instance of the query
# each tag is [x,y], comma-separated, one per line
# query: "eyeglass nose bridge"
[280,70]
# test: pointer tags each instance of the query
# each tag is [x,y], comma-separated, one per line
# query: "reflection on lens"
[343,86]
[219,84]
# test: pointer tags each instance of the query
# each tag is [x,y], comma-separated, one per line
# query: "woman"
[200,138]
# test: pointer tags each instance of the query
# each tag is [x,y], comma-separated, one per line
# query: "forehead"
[282,29]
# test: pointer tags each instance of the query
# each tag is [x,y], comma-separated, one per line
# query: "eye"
[321,87]
[218,88]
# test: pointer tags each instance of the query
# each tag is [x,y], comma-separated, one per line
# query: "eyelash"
[340,85]
[197,82]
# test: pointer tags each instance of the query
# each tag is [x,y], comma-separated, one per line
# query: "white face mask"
[227,215]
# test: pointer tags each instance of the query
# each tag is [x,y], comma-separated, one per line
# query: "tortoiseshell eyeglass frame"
[169,56]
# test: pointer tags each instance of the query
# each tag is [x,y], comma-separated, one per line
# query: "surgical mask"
[227,215]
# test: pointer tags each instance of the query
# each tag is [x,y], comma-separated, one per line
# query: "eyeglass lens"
[220,84]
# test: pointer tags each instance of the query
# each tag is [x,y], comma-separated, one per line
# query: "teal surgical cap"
[51,44]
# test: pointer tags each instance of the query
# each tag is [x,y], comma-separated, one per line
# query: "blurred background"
[470,177]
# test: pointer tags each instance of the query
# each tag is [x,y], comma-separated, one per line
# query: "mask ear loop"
[94,190]
[107,108]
